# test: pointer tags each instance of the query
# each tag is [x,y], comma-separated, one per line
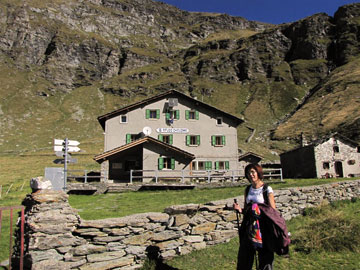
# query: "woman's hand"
[237,208]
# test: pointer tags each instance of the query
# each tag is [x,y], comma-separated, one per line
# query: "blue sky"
[270,11]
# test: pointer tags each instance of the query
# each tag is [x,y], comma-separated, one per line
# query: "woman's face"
[253,176]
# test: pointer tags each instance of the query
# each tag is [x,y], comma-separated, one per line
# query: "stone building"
[248,158]
[333,156]
[168,132]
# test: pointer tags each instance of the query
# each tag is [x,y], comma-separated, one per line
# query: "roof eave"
[104,156]
[102,119]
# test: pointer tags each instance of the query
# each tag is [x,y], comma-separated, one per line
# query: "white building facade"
[170,131]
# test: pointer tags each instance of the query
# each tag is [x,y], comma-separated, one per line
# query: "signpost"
[62,148]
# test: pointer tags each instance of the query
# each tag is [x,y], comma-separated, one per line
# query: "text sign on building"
[172,130]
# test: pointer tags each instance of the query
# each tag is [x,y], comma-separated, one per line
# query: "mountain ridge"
[66,62]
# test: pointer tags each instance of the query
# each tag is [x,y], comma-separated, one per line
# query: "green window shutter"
[147,114]
[128,138]
[158,114]
[198,139]
[167,116]
[208,165]
[173,164]
[197,115]
[177,114]
[187,139]
[160,163]
[227,165]
[223,140]
[171,139]
[213,140]
[187,112]
[217,165]
[160,137]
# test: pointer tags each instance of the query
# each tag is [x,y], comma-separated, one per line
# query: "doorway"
[339,169]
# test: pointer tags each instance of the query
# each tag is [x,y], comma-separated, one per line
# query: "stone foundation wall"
[57,238]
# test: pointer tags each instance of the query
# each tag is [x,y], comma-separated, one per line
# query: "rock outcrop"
[112,51]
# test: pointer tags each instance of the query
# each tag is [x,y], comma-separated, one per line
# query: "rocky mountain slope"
[63,63]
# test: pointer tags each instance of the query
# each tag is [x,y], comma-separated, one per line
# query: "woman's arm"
[272,200]
[238,208]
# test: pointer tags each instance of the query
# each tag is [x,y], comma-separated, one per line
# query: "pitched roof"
[250,154]
[324,139]
[133,106]
[146,139]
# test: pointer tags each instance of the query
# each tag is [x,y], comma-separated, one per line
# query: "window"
[351,162]
[222,165]
[172,115]
[219,121]
[132,137]
[336,149]
[192,140]
[132,165]
[166,163]
[152,114]
[202,165]
[166,138]
[326,165]
[123,118]
[117,166]
[217,140]
[191,115]
[358,149]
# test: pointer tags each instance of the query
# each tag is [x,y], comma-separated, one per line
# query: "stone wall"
[57,238]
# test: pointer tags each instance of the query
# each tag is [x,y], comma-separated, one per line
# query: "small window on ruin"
[351,162]
[336,149]
[326,165]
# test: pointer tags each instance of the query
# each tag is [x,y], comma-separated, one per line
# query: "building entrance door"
[339,169]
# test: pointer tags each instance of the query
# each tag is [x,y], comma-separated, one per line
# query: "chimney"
[303,139]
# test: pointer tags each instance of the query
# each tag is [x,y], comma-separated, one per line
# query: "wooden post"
[9,189]
[22,186]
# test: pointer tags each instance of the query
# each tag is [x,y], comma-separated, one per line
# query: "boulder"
[40,183]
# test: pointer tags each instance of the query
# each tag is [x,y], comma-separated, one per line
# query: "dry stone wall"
[57,238]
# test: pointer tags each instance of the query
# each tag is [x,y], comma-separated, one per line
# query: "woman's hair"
[257,168]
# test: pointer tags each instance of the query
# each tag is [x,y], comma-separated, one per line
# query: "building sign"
[172,130]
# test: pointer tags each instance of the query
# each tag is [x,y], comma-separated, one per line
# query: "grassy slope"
[335,103]
[224,256]
[32,121]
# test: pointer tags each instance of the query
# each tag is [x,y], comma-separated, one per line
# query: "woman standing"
[256,193]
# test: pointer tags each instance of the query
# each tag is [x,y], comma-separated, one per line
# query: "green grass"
[18,168]
[224,256]
[123,204]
